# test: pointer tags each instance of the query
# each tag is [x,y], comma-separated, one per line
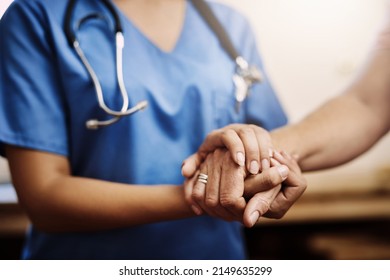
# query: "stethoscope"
[245,76]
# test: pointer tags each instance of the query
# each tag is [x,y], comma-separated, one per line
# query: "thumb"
[266,180]
[258,205]
[190,165]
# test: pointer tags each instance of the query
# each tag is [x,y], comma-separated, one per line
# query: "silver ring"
[202,178]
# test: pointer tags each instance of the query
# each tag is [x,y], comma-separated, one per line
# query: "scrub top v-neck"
[128,23]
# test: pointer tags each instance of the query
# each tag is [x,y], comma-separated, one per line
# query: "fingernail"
[254,217]
[270,152]
[265,164]
[240,159]
[196,210]
[254,167]
[283,171]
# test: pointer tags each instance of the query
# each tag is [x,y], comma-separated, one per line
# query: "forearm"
[349,124]
[80,204]
[57,201]
[339,131]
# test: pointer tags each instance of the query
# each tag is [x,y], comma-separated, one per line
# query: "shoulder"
[235,23]
[30,4]
[36,8]
[33,17]
[228,15]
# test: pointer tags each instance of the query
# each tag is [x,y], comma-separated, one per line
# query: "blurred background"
[312,50]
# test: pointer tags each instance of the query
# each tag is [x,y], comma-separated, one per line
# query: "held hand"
[249,146]
[292,188]
[223,194]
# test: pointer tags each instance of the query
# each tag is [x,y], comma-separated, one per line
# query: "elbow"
[42,213]
[42,218]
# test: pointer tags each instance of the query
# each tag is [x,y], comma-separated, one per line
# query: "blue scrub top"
[46,96]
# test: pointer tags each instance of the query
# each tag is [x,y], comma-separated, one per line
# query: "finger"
[286,159]
[214,167]
[212,200]
[258,205]
[226,138]
[188,189]
[198,192]
[265,147]
[284,200]
[293,187]
[292,161]
[266,180]
[190,165]
[232,188]
[252,154]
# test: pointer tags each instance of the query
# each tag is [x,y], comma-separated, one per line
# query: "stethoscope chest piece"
[244,77]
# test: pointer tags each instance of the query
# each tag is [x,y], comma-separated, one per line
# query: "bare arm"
[340,130]
[56,201]
[337,132]
[349,124]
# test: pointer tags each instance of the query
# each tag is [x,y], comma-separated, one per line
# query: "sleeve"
[32,111]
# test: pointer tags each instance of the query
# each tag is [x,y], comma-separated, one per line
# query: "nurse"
[116,192]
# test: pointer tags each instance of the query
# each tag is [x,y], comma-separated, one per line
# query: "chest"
[160,21]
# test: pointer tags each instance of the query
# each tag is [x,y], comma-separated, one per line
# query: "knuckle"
[188,197]
[227,134]
[209,157]
[227,160]
[278,215]
[255,127]
[211,202]
[227,201]
[258,129]
[226,157]
[271,181]
[245,131]
[219,153]
[196,196]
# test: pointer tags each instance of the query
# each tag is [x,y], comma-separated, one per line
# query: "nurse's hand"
[249,146]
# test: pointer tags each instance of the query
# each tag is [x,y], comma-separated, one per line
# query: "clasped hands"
[246,177]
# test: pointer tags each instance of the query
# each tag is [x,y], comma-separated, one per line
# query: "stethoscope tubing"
[243,79]
[119,45]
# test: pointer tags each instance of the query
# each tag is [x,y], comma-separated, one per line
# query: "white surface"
[3,6]
[4,172]
[7,194]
